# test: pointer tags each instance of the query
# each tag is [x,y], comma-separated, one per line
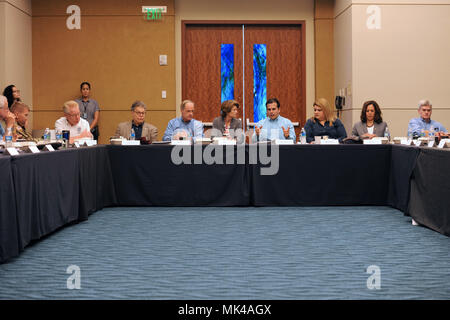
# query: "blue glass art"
[227,71]
[259,82]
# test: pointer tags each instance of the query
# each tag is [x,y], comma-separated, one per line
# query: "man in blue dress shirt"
[185,126]
[274,126]
[424,123]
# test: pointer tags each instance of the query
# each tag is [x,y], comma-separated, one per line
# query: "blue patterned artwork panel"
[227,71]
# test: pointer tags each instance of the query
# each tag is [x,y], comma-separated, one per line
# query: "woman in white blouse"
[371,124]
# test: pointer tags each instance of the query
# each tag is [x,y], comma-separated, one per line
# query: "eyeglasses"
[140,113]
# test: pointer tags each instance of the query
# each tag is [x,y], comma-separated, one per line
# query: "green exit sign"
[154,13]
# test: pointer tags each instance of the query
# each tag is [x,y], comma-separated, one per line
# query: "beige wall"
[404,61]
[116,50]
[15,49]
[249,10]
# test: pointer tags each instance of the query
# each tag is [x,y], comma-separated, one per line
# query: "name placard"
[417,143]
[372,141]
[406,142]
[180,142]
[431,144]
[32,149]
[131,142]
[283,141]
[329,141]
[441,144]
[226,142]
[11,151]
[49,147]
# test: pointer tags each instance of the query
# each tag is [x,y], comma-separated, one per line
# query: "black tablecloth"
[146,176]
[403,161]
[325,175]
[9,243]
[96,186]
[40,193]
[430,190]
[47,192]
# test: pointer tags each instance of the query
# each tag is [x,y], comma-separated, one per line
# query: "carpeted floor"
[235,253]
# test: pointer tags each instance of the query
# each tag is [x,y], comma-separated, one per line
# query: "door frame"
[301,23]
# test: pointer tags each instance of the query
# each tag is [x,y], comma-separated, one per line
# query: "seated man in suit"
[274,126]
[79,128]
[185,126]
[141,129]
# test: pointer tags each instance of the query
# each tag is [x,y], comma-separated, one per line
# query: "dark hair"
[83,83]
[377,118]
[8,93]
[273,100]
[226,107]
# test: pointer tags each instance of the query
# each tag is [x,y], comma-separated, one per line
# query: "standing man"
[6,117]
[274,126]
[141,129]
[185,126]
[89,108]
[424,122]
[79,128]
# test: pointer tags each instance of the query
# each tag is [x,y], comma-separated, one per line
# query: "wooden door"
[201,67]
[285,66]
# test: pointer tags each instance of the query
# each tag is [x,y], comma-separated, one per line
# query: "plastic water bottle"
[431,133]
[58,135]
[387,134]
[422,133]
[8,138]
[132,135]
[47,134]
[303,136]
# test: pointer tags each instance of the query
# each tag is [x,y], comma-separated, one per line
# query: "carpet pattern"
[235,253]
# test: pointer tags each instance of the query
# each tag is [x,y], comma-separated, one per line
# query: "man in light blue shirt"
[274,126]
[424,124]
[185,126]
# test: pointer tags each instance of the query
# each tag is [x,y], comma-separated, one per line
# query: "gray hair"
[3,102]
[184,103]
[425,103]
[138,104]
[69,105]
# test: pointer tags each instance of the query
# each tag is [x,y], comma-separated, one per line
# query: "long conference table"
[40,193]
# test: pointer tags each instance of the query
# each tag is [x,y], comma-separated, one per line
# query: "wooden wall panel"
[324,49]
[118,54]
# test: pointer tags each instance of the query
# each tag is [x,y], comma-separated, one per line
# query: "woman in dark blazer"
[228,125]
[371,124]
[324,123]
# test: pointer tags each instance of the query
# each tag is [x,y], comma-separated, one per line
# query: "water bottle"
[422,133]
[58,135]
[431,134]
[8,138]
[387,134]
[132,135]
[47,134]
[303,136]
